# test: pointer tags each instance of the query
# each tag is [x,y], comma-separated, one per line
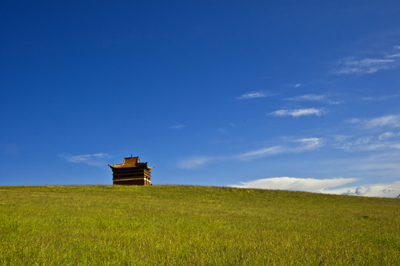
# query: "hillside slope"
[194,225]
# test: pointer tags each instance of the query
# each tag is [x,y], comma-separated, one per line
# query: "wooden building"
[131,172]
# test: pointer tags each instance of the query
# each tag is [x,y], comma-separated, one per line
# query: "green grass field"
[194,225]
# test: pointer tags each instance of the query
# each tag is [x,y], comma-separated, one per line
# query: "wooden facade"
[131,172]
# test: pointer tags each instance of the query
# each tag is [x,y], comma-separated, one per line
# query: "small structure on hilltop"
[131,172]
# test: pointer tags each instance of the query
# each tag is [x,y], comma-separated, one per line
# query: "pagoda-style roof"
[131,162]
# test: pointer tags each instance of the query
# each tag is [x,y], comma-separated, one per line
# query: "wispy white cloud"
[363,66]
[388,135]
[340,138]
[260,153]
[297,85]
[194,162]
[384,163]
[393,55]
[363,140]
[308,97]
[253,95]
[376,190]
[379,146]
[177,127]
[222,130]
[96,159]
[368,65]
[309,144]
[388,120]
[366,144]
[314,97]
[380,98]
[377,165]
[297,146]
[299,112]
[328,186]
[306,144]
[293,183]
[382,141]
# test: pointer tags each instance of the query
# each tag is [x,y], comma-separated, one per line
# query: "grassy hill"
[194,225]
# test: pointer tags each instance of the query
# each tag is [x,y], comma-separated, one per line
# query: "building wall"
[131,176]
[138,182]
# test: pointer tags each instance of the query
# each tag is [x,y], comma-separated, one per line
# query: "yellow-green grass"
[194,225]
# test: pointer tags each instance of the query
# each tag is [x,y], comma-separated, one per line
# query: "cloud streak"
[388,135]
[96,159]
[177,127]
[315,98]
[253,95]
[380,98]
[364,66]
[308,97]
[306,144]
[383,141]
[367,144]
[376,190]
[300,145]
[299,112]
[293,183]
[383,121]
[194,162]
[367,65]
[393,55]
[327,186]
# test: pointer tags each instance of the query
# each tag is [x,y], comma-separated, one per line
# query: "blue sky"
[268,94]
